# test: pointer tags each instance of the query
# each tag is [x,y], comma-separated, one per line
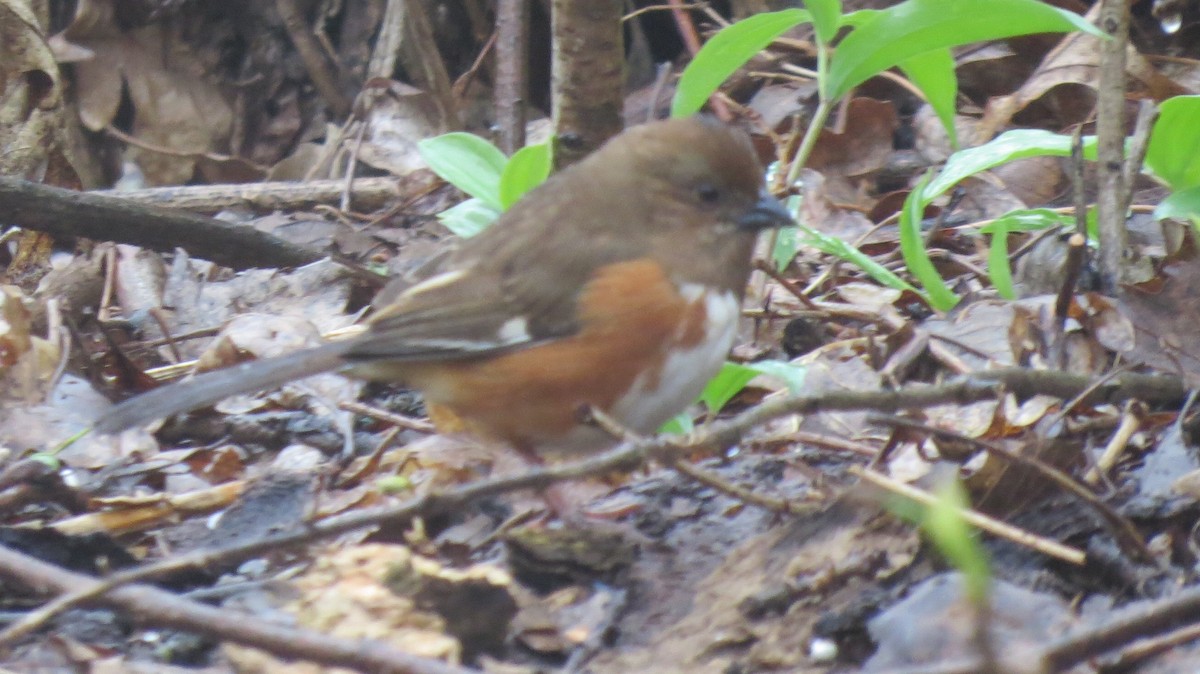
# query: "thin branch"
[59,212]
[716,437]
[161,608]
[323,74]
[977,519]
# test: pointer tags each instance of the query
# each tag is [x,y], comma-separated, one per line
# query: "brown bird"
[615,285]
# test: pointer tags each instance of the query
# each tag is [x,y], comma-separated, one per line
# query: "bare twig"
[1155,618]
[1122,529]
[388,417]
[977,519]
[323,73]
[1130,423]
[715,437]
[723,486]
[61,212]
[161,608]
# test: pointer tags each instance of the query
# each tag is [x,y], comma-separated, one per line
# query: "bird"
[616,286]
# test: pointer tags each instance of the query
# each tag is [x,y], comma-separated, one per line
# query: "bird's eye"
[708,193]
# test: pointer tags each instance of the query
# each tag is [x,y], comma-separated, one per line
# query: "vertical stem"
[820,116]
[512,72]
[1110,129]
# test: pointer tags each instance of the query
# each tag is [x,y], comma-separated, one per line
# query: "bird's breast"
[646,347]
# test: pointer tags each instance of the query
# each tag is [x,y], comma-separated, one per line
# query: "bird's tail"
[210,387]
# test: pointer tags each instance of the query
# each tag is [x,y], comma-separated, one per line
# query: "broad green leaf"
[933,73]
[955,539]
[468,162]
[732,378]
[727,51]
[791,375]
[835,246]
[528,168]
[1181,205]
[468,218]
[915,27]
[1174,150]
[826,18]
[912,248]
[1006,147]
[859,17]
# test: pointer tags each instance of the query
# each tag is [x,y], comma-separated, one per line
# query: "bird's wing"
[494,296]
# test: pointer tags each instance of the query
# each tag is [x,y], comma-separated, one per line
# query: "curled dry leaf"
[175,104]
[27,362]
[1076,61]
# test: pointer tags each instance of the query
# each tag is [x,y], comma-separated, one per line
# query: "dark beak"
[766,213]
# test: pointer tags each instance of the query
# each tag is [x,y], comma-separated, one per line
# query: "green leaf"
[786,244]
[528,168]
[859,17]
[732,378]
[1023,220]
[49,460]
[955,539]
[933,73]
[791,375]
[1181,205]
[826,18]
[1006,147]
[681,424]
[1028,220]
[999,269]
[912,247]
[468,218]
[394,484]
[727,51]
[468,162]
[915,27]
[832,245]
[1174,150]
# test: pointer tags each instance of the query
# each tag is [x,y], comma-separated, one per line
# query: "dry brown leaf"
[863,146]
[176,105]
[1164,315]
[1074,62]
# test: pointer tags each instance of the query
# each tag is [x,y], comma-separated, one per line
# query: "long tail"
[210,387]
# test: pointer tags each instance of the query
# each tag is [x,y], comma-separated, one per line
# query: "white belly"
[644,408]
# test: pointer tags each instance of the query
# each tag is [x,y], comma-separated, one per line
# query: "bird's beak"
[767,212]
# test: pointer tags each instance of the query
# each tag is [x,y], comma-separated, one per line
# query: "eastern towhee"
[615,285]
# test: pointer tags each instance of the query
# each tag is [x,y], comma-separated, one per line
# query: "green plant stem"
[824,107]
[820,116]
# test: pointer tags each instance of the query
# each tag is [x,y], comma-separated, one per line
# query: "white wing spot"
[514,331]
